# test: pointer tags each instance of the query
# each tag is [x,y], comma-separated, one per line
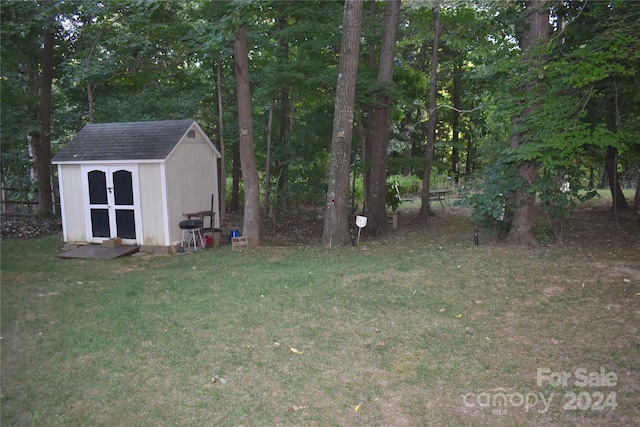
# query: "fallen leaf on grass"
[441,310]
[357,408]
[458,315]
[295,350]
[216,379]
[294,408]
[50,294]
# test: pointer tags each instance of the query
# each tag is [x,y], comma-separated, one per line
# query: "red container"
[208,240]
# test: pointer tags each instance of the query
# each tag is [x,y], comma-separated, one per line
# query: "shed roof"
[124,141]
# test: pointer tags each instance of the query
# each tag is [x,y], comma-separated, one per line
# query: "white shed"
[136,181]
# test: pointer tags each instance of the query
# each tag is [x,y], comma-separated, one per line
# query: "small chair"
[191,232]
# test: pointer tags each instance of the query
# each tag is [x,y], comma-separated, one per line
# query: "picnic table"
[441,196]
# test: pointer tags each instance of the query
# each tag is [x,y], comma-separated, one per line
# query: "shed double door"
[112,194]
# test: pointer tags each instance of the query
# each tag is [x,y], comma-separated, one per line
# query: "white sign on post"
[361,222]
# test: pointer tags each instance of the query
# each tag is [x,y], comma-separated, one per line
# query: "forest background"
[516,104]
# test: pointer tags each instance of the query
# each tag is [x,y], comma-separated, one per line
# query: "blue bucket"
[234,233]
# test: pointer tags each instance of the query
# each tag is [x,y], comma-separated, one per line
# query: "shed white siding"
[190,184]
[153,204]
[72,203]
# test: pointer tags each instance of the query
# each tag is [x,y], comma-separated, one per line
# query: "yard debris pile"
[26,227]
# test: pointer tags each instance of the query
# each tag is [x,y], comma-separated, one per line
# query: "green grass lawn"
[418,328]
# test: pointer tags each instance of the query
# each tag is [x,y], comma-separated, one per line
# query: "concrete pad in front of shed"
[99,252]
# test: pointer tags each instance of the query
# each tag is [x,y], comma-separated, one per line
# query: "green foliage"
[393,195]
[16,172]
[151,60]
[490,199]
[408,185]
[559,187]
[557,195]
[396,164]
[564,114]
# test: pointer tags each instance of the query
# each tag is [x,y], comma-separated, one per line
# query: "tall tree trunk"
[90,90]
[406,153]
[376,206]
[619,202]
[267,168]
[614,124]
[251,224]
[42,145]
[222,182]
[425,208]
[369,125]
[285,122]
[525,201]
[234,206]
[468,167]
[336,221]
[455,124]
[636,199]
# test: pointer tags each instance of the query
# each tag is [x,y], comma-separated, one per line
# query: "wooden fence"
[14,203]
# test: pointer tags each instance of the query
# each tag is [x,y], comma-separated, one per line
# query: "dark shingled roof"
[124,141]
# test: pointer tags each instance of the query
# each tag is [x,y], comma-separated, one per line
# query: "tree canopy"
[117,61]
